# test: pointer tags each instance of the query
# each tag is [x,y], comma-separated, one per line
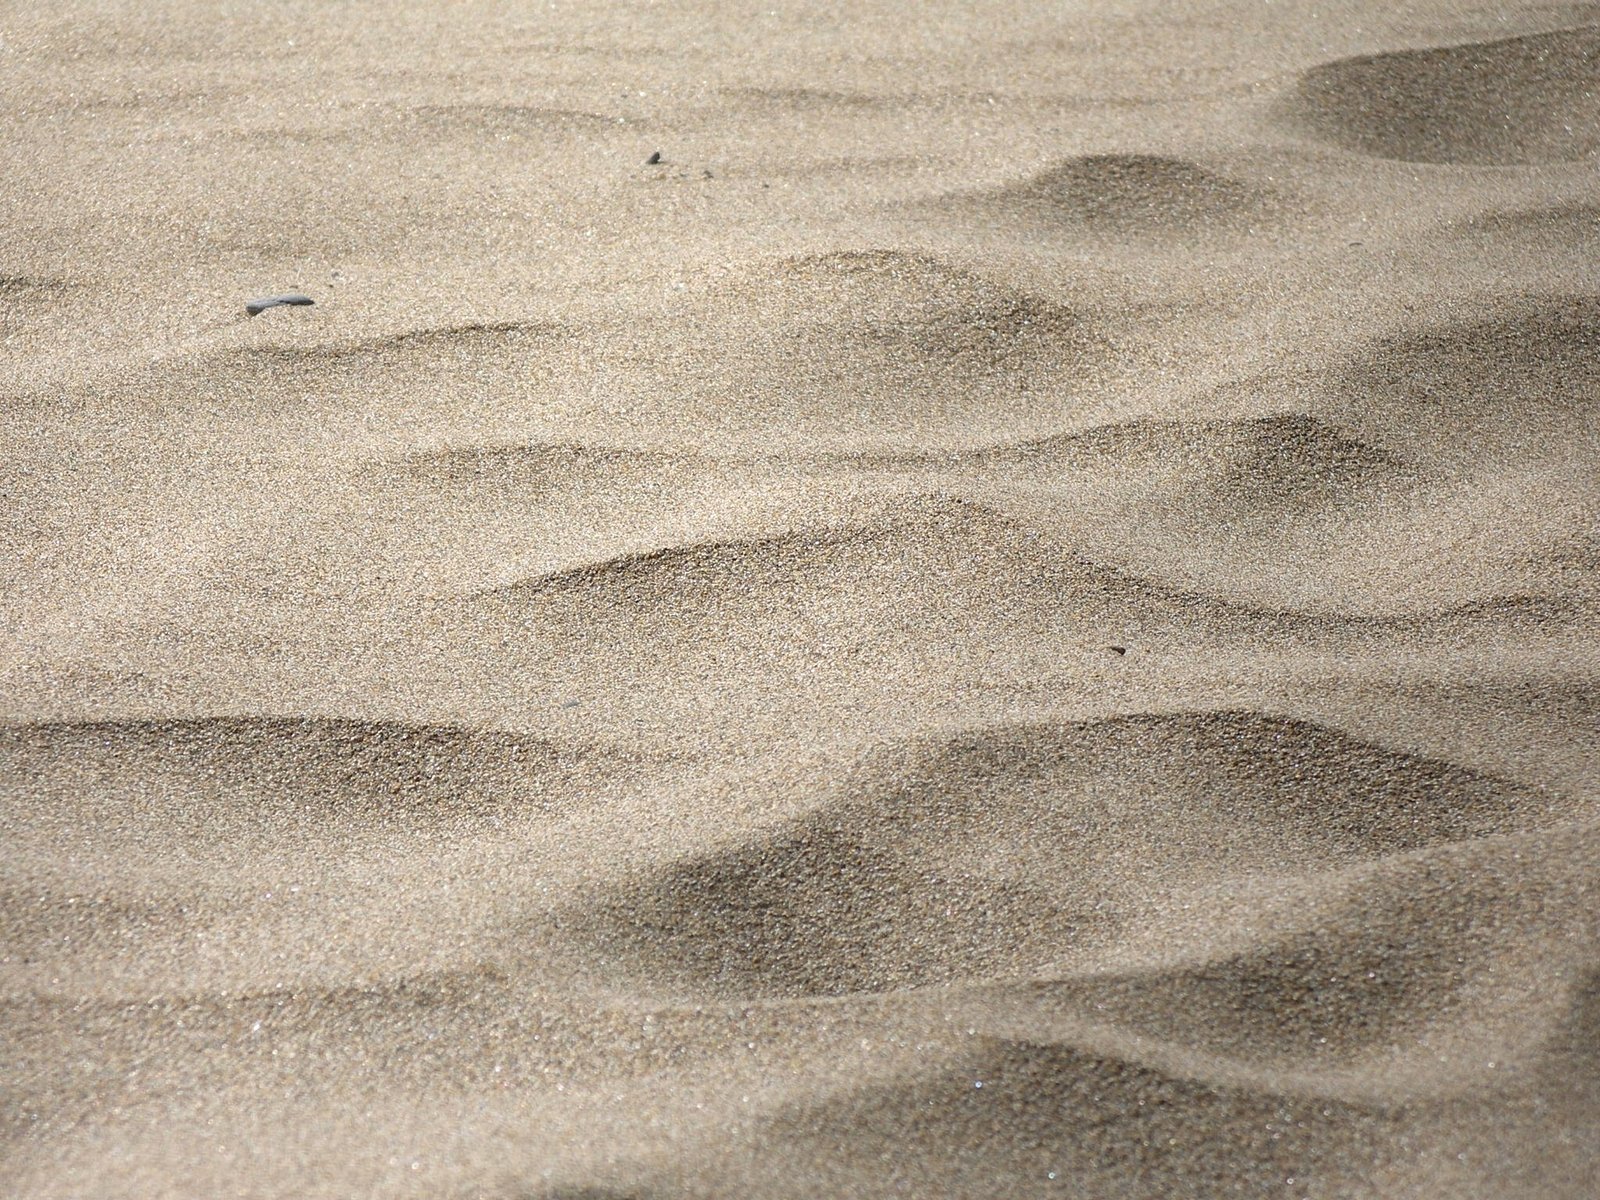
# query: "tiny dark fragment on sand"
[654,160]
[256,307]
[1120,649]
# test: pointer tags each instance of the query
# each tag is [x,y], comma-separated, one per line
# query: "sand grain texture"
[884,601]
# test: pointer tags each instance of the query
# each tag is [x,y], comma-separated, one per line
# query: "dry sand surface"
[1016,616]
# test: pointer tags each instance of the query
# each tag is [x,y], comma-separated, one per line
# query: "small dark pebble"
[653,160]
[1120,649]
[256,307]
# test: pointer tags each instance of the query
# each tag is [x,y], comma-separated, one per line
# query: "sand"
[1016,615]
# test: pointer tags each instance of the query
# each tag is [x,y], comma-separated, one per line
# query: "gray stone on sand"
[256,307]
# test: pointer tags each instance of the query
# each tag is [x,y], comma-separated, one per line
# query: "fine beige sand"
[1019,615]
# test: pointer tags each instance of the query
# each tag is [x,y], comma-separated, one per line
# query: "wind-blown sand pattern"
[890,601]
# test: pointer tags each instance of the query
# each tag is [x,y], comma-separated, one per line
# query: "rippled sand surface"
[1016,616]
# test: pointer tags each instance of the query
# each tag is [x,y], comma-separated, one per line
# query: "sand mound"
[751,564]
[1019,1115]
[1428,951]
[1006,850]
[904,301]
[214,775]
[410,369]
[868,333]
[1128,195]
[1517,101]
[1206,507]
[1239,464]
[1249,477]
[1278,458]
[1513,383]
[935,550]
